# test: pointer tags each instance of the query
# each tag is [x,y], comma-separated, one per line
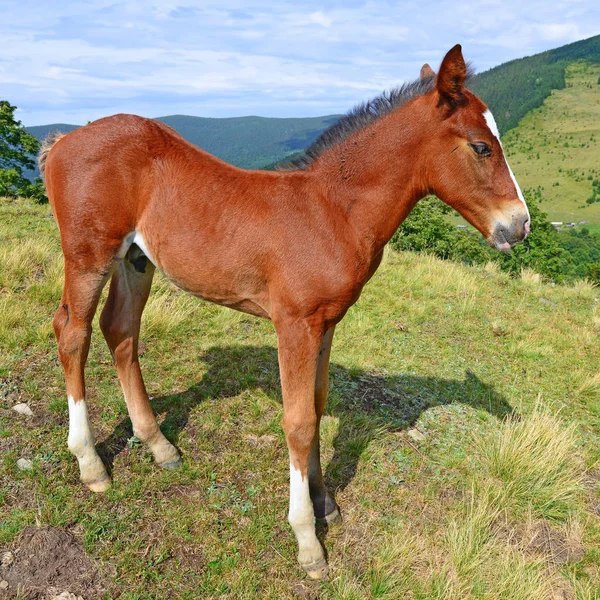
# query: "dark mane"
[360,117]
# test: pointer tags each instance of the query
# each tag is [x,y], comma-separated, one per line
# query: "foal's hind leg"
[120,323]
[72,326]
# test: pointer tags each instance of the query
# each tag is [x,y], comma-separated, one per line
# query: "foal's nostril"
[527,225]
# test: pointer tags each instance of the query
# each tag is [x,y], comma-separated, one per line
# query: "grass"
[497,501]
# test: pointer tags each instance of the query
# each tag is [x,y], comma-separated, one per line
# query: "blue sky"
[72,62]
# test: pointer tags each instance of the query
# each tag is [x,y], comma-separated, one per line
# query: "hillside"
[514,88]
[556,147]
[442,497]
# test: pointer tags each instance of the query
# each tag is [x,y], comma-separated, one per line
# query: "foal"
[129,194]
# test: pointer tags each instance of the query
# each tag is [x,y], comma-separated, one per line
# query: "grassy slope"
[480,508]
[557,147]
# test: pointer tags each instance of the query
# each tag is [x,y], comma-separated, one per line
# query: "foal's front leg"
[298,346]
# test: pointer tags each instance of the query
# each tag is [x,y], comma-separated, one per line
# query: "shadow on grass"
[362,401]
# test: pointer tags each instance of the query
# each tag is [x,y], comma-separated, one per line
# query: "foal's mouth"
[504,238]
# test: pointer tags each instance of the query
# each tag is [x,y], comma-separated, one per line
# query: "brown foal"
[294,246]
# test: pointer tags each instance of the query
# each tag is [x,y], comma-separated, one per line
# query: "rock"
[3,585]
[23,409]
[7,559]
[416,435]
[547,302]
[24,464]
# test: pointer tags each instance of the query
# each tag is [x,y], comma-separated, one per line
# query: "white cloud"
[559,31]
[321,19]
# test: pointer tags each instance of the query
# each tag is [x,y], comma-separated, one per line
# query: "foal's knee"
[73,341]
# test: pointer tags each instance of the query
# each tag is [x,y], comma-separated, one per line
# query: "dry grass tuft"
[499,328]
[467,537]
[584,285]
[534,461]
[12,315]
[492,267]
[530,277]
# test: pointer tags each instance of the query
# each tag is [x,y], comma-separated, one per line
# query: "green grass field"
[557,147]
[497,499]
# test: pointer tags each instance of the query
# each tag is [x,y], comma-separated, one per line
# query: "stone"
[416,435]
[7,559]
[23,409]
[24,464]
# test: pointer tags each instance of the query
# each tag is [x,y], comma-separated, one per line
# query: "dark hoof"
[333,518]
[173,464]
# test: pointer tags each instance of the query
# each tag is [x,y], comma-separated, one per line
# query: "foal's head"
[465,163]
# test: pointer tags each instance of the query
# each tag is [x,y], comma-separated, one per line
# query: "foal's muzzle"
[504,236]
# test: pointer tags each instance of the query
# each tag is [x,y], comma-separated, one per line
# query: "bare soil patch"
[48,561]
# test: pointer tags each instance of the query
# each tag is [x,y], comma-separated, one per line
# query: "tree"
[17,149]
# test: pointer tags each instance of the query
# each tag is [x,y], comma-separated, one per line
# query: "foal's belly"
[232,285]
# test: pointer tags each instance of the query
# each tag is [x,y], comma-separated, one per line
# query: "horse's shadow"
[363,402]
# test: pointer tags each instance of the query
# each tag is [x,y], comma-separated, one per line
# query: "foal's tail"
[47,144]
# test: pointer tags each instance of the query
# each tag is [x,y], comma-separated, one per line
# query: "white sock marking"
[81,441]
[81,437]
[301,509]
[491,123]
[302,519]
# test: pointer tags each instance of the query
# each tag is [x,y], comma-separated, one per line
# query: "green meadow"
[461,438]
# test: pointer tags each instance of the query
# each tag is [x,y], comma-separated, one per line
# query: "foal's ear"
[427,71]
[452,75]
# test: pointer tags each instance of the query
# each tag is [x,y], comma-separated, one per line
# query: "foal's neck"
[376,175]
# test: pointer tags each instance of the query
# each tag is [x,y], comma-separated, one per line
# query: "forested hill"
[511,90]
[514,88]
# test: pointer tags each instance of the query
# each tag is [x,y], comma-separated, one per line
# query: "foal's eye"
[481,149]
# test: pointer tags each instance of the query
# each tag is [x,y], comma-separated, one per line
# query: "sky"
[71,62]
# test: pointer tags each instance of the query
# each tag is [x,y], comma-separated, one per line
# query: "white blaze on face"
[491,123]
